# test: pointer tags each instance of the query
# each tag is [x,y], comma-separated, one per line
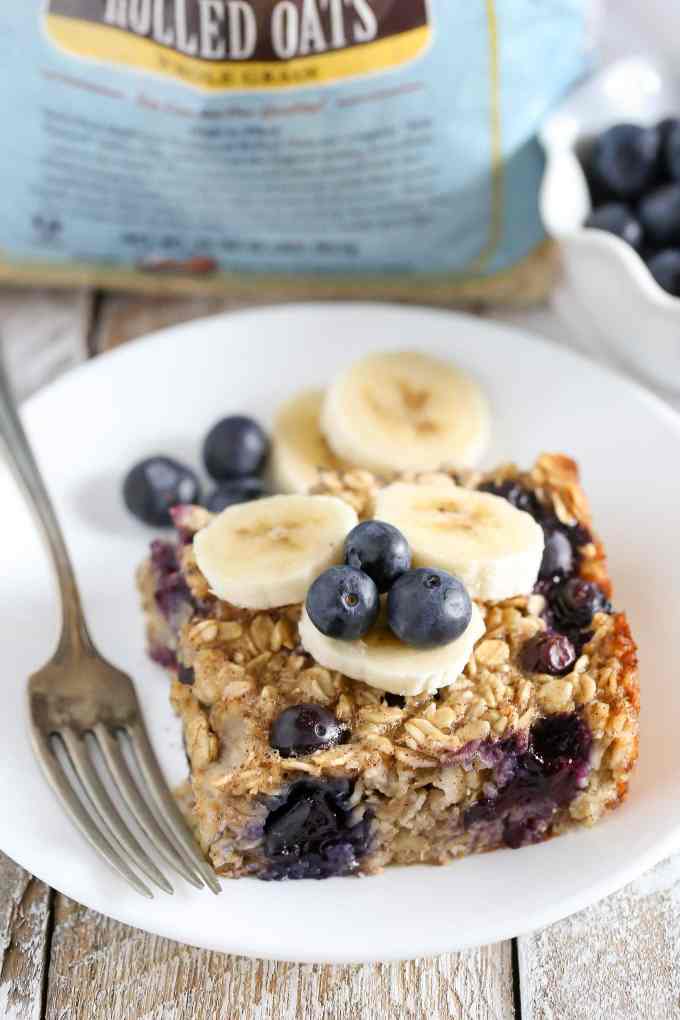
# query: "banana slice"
[266,553]
[492,547]
[299,450]
[381,660]
[405,411]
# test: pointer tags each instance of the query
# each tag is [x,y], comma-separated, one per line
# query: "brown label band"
[257,31]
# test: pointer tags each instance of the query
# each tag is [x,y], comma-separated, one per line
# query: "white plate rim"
[434,943]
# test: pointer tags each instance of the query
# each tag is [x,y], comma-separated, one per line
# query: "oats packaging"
[375,148]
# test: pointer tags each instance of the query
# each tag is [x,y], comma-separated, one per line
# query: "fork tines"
[66,756]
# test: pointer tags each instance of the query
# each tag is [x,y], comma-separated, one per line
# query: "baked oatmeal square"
[536,735]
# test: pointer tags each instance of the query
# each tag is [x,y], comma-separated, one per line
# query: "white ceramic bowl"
[619,298]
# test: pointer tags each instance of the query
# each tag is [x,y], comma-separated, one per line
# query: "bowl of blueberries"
[611,198]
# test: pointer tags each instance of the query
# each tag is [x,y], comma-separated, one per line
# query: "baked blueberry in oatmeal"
[311,831]
[298,770]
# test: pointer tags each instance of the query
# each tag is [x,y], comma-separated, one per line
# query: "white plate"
[161,395]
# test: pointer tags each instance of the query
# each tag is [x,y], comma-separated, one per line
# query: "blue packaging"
[377,146]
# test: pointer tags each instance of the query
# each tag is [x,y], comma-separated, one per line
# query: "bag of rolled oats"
[331,147]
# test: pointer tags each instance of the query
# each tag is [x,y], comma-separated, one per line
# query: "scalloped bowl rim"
[617,249]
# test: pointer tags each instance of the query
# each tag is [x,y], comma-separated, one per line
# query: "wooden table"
[58,960]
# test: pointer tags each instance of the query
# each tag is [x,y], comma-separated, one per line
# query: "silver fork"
[79,700]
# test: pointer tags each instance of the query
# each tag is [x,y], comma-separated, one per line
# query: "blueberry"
[574,603]
[558,554]
[533,782]
[395,700]
[669,130]
[238,490]
[155,485]
[616,218]
[162,655]
[659,213]
[548,652]
[624,161]
[185,674]
[428,607]
[310,832]
[578,535]
[516,494]
[560,741]
[664,127]
[171,593]
[305,728]
[380,550]
[234,448]
[343,603]
[665,268]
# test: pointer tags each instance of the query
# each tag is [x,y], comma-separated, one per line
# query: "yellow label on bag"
[244,44]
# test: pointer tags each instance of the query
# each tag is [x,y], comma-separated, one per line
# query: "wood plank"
[619,959]
[125,317]
[25,908]
[102,970]
[44,333]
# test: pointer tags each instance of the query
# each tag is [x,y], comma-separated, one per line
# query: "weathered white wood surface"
[619,959]
[43,333]
[123,317]
[24,925]
[101,970]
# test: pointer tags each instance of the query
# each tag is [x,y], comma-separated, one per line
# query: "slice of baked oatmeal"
[538,735]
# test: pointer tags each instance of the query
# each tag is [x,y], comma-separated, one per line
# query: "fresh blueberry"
[624,161]
[574,603]
[665,268]
[155,485]
[305,728]
[664,127]
[659,213]
[343,603]
[238,490]
[561,555]
[185,674]
[516,494]
[669,130]
[234,448]
[616,218]
[310,832]
[558,555]
[548,652]
[428,607]
[380,550]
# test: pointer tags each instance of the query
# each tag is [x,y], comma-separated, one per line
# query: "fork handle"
[74,633]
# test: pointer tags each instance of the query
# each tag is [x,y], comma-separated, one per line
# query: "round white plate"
[160,395]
